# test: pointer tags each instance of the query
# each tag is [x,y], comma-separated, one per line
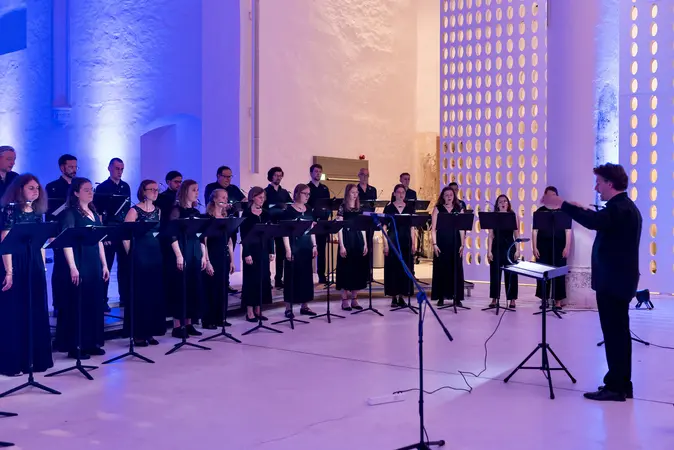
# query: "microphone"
[522,240]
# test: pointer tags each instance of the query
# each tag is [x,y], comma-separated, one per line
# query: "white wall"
[338,78]
[428,66]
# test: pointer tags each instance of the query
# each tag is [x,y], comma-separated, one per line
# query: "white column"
[572,58]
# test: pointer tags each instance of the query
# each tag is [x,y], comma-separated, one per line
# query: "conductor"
[615,272]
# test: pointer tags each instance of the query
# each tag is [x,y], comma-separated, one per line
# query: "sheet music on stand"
[537,270]
[60,209]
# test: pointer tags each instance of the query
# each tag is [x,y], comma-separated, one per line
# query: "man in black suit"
[57,190]
[615,272]
[410,194]
[7,160]
[319,191]
[277,200]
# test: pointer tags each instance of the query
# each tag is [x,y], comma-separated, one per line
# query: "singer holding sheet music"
[396,282]
[615,272]
[554,255]
[149,315]
[499,248]
[447,251]
[85,269]
[352,263]
[219,264]
[24,201]
[299,256]
[189,254]
[256,258]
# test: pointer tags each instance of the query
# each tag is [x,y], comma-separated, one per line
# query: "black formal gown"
[354,270]
[256,277]
[92,287]
[556,289]
[449,242]
[190,247]
[299,274]
[14,306]
[499,250]
[396,281]
[148,287]
[216,297]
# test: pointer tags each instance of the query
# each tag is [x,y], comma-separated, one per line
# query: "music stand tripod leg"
[369,306]
[260,325]
[328,314]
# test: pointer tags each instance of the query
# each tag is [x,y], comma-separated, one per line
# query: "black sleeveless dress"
[501,249]
[552,256]
[191,251]
[352,271]
[148,287]
[257,276]
[444,265]
[396,281]
[216,297]
[14,306]
[299,274]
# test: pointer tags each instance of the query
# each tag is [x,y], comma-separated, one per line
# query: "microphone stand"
[422,444]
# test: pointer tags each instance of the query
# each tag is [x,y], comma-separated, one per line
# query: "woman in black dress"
[396,282]
[552,255]
[299,256]
[24,202]
[85,270]
[219,265]
[447,252]
[190,256]
[256,288]
[498,244]
[353,268]
[149,315]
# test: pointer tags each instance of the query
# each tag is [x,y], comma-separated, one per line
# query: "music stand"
[223,228]
[7,414]
[451,223]
[108,203]
[183,228]
[329,228]
[292,229]
[408,221]
[365,223]
[261,233]
[545,274]
[130,231]
[76,238]
[330,205]
[552,222]
[501,222]
[29,237]
[419,205]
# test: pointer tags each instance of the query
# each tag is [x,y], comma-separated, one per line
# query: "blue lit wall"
[129,66]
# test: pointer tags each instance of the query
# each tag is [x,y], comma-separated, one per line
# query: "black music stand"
[110,204]
[130,231]
[419,205]
[7,414]
[76,238]
[365,223]
[552,222]
[223,228]
[408,221]
[329,228]
[502,222]
[292,229]
[543,274]
[329,205]
[261,233]
[29,237]
[450,223]
[183,228]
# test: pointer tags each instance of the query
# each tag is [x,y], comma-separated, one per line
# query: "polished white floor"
[308,388]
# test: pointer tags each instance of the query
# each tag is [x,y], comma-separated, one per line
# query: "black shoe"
[278,284]
[289,314]
[73,355]
[96,351]
[441,302]
[178,332]
[604,395]
[209,327]
[140,343]
[346,308]
[458,303]
[307,312]
[628,394]
[262,318]
[401,302]
[357,307]
[322,280]
[394,302]
[193,331]
[227,324]
[231,290]
[153,341]
[251,319]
